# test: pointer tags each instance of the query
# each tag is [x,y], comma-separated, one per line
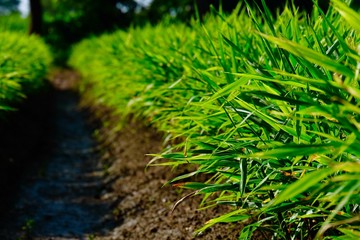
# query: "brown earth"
[145,201]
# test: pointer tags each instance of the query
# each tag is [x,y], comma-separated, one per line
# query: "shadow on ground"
[51,180]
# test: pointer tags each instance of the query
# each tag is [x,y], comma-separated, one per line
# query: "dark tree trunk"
[36,17]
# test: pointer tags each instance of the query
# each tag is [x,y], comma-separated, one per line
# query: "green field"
[267,107]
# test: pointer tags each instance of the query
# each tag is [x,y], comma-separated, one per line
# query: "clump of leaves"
[24,61]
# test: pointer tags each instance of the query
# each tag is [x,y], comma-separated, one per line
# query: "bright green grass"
[268,108]
[24,61]
[14,23]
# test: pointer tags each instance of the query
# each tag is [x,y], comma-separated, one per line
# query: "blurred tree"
[273,5]
[68,21]
[84,17]
[36,17]
[226,5]
[355,4]
[181,10]
[7,6]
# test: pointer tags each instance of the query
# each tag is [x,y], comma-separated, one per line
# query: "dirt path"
[64,194]
[59,197]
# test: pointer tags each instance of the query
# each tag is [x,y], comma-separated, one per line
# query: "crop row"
[24,61]
[267,107]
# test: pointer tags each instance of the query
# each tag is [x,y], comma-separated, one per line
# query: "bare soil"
[145,201]
[103,190]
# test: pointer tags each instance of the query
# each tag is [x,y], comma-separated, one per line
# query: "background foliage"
[24,61]
[7,6]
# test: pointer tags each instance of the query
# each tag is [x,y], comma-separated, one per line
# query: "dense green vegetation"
[14,23]
[24,61]
[268,108]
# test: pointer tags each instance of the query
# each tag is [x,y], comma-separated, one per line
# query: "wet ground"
[59,193]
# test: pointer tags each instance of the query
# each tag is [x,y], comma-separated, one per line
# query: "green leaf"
[352,17]
[302,185]
[207,188]
[243,171]
[237,215]
[350,233]
[296,150]
[310,55]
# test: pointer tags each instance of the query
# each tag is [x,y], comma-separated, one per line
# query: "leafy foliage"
[14,23]
[24,61]
[267,107]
